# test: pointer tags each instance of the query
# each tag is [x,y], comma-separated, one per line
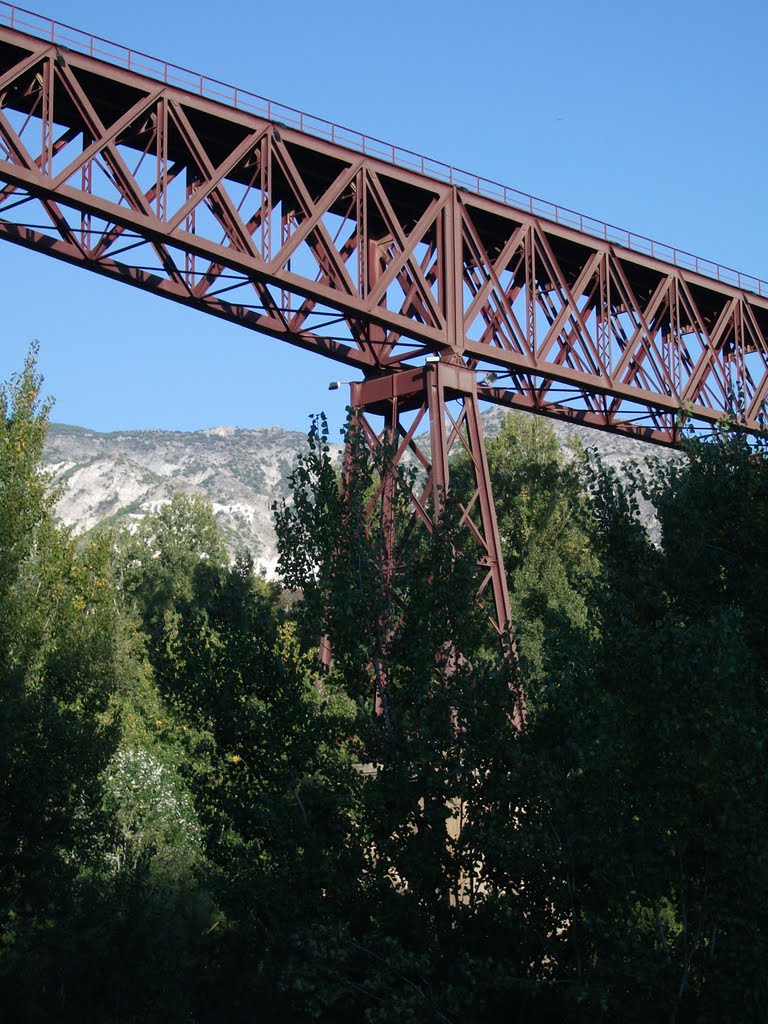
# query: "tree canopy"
[198,822]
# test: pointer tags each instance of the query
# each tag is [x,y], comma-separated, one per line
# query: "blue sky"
[651,116]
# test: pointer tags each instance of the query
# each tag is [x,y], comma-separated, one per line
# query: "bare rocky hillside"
[120,476]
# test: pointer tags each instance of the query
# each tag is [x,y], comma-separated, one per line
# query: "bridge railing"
[67,37]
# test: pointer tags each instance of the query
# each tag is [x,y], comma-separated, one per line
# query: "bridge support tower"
[415,420]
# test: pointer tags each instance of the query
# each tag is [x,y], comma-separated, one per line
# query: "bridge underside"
[370,264]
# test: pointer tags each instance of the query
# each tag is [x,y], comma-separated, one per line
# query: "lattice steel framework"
[194,191]
[444,397]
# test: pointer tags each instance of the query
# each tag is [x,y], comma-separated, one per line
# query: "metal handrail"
[67,36]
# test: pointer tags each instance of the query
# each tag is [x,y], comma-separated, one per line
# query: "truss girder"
[362,261]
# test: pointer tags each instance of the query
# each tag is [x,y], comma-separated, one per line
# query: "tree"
[646,783]
[613,850]
[196,820]
[547,534]
[61,663]
[412,640]
[261,753]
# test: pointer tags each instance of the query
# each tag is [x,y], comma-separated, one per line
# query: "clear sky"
[649,115]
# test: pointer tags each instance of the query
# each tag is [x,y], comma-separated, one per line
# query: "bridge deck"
[69,37]
[375,256]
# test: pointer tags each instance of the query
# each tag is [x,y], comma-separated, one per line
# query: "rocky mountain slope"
[120,476]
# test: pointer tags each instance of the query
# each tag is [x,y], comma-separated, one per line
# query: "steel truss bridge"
[437,287]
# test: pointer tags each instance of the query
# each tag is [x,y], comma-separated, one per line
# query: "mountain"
[118,477]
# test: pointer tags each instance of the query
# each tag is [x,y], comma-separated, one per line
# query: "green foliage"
[648,778]
[57,635]
[257,748]
[159,561]
[24,502]
[412,640]
[547,533]
[153,812]
[197,823]
[63,657]
[611,850]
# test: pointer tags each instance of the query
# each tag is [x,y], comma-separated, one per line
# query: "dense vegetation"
[197,824]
